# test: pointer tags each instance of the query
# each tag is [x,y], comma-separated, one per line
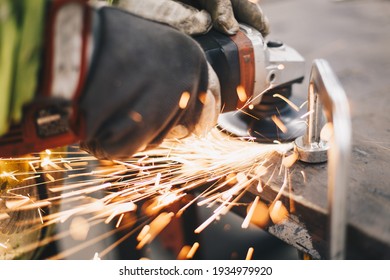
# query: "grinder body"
[251,71]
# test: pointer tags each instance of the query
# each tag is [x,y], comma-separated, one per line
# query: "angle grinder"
[256,79]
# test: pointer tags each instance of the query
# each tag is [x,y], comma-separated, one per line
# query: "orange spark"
[289,102]
[193,250]
[279,123]
[183,252]
[135,116]
[203,97]
[278,212]
[249,255]
[251,210]
[156,226]
[260,215]
[143,232]
[185,97]
[51,178]
[241,93]
[290,160]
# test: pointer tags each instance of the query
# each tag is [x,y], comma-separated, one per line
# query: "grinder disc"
[261,127]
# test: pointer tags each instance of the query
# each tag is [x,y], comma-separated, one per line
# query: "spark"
[290,160]
[96,257]
[248,217]
[147,238]
[284,185]
[183,252]
[217,212]
[202,97]
[303,104]
[259,187]
[156,226]
[308,113]
[278,212]
[32,166]
[9,175]
[135,116]
[249,254]
[78,163]
[48,162]
[193,250]
[241,93]
[288,101]
[279,123]
[31,178]
[120,220]
[157,177]
[304,176]
[260,215]
[67,166]
[16,203]
[257,96]
[40,215]
[248,114]
[209,199]
[185,97]
[120,209]
[51,178]
[86,190]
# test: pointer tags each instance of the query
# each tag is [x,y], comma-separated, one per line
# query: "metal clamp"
[327,96]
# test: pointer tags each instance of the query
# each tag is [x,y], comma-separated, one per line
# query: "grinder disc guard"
[258,123]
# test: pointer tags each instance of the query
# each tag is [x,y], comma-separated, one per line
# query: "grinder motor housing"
[261,69]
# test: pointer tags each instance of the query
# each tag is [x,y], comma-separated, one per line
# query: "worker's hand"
[211,101]
[147,82]
[198,16]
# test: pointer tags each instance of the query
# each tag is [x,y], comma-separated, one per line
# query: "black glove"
[139,73]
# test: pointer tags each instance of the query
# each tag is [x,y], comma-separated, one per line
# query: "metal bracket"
[327,96]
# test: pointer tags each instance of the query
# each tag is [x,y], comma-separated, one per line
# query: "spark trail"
[132,194]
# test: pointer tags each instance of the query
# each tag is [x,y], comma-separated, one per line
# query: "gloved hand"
[147,81]
[198,16]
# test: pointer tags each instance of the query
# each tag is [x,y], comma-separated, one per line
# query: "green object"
[21,30]
[8,43]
